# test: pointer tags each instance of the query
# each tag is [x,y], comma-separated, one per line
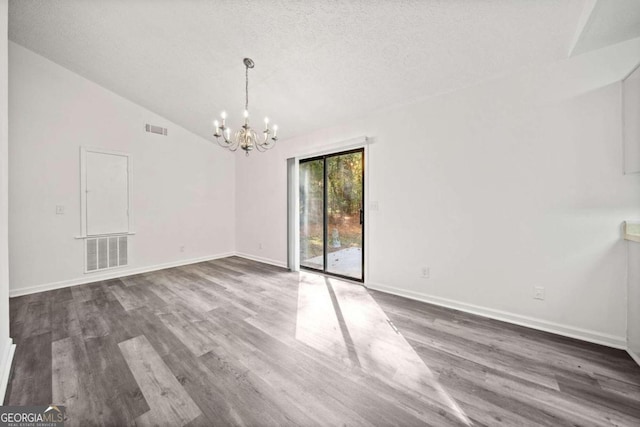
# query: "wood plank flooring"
[236,342]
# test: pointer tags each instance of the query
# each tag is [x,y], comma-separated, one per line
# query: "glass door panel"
[331,214]
[312,214]
[344,214]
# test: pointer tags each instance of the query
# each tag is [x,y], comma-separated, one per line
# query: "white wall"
[631,132]
[183,191]
[631,121]
[633,301]
[5,341]
[497,188]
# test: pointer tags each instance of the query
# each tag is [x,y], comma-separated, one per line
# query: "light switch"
[59,210]
[373,206]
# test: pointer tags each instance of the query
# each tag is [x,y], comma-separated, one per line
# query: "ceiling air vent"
[155,129]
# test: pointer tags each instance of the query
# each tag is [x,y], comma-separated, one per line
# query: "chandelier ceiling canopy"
[246,138]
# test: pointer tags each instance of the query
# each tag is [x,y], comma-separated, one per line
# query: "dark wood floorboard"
[236,342]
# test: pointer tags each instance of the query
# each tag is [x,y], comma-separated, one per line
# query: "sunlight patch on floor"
[341,319]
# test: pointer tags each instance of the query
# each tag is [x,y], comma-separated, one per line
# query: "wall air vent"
[106,252]
[155,129]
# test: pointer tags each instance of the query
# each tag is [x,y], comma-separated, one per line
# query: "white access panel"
[107,193]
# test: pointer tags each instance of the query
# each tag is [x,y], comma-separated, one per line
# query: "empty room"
[320,213]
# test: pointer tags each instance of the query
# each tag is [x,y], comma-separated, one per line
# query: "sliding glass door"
[331,214]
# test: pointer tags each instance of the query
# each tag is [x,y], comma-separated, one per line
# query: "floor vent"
[106,252]
[155,129]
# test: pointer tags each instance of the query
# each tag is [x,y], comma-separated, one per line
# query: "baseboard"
[5,367]
[261,259]
[634,356]
[113,274]
[517,319]
[530,322]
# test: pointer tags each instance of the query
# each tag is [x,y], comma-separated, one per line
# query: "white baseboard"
[530,322]
[634,356]
[261,259]
[113,274]
[5,367]
[517,319]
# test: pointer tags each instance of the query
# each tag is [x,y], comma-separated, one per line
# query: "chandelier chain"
[246,88]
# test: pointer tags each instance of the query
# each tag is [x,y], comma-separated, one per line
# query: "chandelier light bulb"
[223,115]
[246,114]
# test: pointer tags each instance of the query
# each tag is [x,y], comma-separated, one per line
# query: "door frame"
[293,163]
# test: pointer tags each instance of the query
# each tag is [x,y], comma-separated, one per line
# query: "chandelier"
[245,138]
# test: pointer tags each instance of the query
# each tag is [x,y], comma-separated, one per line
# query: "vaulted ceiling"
[317,62]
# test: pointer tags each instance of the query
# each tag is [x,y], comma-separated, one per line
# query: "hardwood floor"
[236,342]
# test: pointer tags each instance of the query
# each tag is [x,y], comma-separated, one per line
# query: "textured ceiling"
[317,62]
[610,22]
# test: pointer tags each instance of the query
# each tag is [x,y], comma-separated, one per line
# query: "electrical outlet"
[538,292]
[59,210]
[181,248]
[425,272]
[259,245]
